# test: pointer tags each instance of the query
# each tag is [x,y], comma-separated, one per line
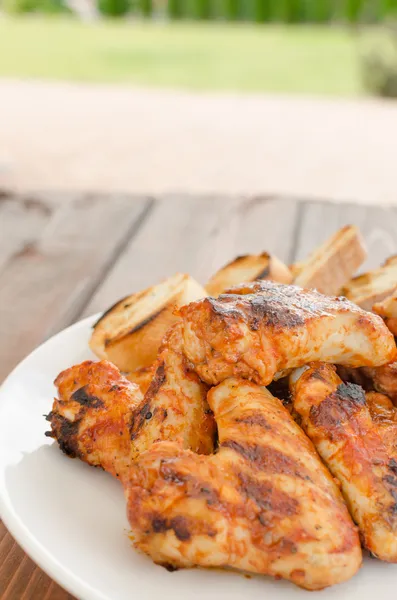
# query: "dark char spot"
[82,397]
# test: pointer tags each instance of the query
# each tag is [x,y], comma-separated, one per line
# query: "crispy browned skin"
[175,405]
[384,416]
[374,379]
[103,419]
[260,330]
[91,417]
[357,448]
[263,503]
[382,379]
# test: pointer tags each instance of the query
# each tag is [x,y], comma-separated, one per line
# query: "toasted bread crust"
[331,265]
[130,332]
[374,286]
[248,268]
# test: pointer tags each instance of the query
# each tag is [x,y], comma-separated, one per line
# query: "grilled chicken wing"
[357,448]
[263,503]
[91,418]
[175,405]
[105,420]
[142,377]
[260,330]
[374,379]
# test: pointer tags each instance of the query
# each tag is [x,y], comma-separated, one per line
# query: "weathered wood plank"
[267,223]
[55,592]
[21,221]
[9,564]
[45,285]
[52,255]
[378,225]
[20,581]
[197,236]
[37,587]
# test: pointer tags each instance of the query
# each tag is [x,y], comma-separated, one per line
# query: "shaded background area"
[227,96]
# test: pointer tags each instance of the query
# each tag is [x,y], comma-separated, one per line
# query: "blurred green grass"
[198,56]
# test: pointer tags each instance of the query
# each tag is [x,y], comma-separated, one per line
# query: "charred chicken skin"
[261,330]
[103,419]
[358,443]
[90,419]
[263,503]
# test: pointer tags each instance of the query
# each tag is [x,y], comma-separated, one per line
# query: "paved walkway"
[71,136]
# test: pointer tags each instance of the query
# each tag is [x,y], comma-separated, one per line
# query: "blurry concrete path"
[77,136]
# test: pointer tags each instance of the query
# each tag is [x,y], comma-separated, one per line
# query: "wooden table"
[64,257]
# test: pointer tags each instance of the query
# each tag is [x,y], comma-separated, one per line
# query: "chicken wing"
[355,448]
[374,379]
[260,330]
[387,309]
[263,503]
[91,418]
[103,419]
[142,377]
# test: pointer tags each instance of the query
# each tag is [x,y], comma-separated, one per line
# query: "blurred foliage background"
[259,11]
[345,47]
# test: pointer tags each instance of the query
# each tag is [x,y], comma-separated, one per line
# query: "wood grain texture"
[21,220]
[59,260]
[53,253]
[197,235]
[320,220]
[46,282]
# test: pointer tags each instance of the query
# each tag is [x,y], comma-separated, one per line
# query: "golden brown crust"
[356,446]
[175,405]
[130,332]
[91,417]
[382,379]
[263,503]
[262,329]
[331,265]
[373,287]
[103,419]
[248,268]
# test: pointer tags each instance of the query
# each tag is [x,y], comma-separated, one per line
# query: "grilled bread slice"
[248,268]
[331,265]
[130,332]
[374,286]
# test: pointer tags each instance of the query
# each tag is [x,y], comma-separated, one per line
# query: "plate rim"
[30,544]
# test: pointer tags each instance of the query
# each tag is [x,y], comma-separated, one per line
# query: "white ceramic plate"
[71,519]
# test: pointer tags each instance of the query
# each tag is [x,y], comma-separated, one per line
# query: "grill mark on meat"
[352,392]
[267,497]
[391,481]
[85,399]
[144,412]
[267,459]
[393,466]
[65,432]
[340,406]
[265,303]
[254,419]
[194,487]
[183,527]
